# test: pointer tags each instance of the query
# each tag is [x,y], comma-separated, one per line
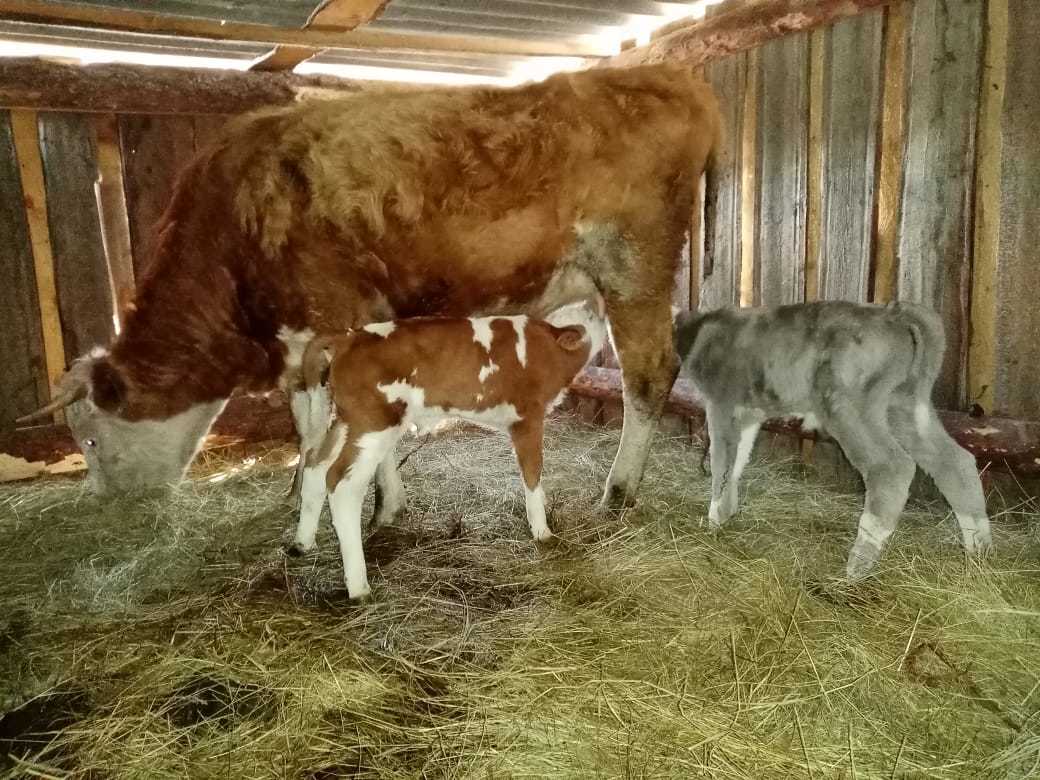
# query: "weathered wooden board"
[720,267]
[935,230]
[21,344]
[81,273]
[851,101]
[1018,316]
[155,148]
[783,124]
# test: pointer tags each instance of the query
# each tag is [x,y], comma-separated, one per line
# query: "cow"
[365,389]
[864,373]
[329,214]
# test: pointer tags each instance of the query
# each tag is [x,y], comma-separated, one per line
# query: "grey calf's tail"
[926,329]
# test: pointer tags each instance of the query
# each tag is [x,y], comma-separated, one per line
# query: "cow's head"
[124,455]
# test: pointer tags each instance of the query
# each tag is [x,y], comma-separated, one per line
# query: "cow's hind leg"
[642,335]
[348,480]
[950,466]
[887,472]
[527,444]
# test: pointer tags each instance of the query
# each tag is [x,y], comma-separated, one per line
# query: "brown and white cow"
[329,214]
[367,388]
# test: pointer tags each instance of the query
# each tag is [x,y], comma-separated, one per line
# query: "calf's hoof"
[386,517]
[861,563]
[362,598]
[297,550]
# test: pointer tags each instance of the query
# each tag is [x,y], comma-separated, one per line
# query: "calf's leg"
[527,444]
[348,480]
[316,462]
[390,497]
[642,336]
[950,466]
[887,472]
[728,448]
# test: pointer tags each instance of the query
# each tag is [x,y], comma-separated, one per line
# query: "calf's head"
[124,455]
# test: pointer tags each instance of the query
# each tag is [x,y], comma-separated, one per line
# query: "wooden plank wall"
[894,146]
[21,341]
[50,226]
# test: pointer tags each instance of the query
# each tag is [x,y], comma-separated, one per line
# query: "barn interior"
[875,150]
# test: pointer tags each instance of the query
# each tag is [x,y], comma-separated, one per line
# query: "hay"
[171,637]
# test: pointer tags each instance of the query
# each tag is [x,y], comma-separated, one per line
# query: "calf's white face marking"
[383,329]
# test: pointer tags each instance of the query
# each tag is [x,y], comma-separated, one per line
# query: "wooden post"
[814,185]
[748,183]
[111,205]
[890,158]
[982,368]
[30,167]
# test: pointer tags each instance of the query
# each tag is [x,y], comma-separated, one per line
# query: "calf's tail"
[929,336]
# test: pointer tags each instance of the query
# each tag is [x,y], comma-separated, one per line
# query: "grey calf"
[864,373]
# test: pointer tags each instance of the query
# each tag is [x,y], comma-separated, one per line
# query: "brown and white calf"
[365,389]
[864,373]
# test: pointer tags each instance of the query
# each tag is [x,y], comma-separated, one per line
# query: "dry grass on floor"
[171,638]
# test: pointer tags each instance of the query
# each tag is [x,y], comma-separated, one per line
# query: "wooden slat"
[1018,316]
[720,282]
[30,168]
[850,119]
[935,229]
[159,24]
[284,57]
[80,268]
[782,139]
[982,351]
[155,149]
[110,198]
[748,25]
[749,182]
[890,162]
[21,343]
[345,14]
[814,165]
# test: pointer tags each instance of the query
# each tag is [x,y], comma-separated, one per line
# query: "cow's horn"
[71,388]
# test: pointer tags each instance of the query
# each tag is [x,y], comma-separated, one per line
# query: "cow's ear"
[107,386]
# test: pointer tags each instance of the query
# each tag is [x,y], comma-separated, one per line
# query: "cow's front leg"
[642,335]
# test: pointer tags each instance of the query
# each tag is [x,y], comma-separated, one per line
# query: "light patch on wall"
[401,75]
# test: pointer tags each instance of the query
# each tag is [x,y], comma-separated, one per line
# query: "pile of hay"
[172,638]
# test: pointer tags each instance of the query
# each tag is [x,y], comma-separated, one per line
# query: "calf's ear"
[107,387]
[571,337]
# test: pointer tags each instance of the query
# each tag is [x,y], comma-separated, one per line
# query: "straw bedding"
[170,637]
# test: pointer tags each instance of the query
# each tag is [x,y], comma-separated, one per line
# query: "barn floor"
[171,638]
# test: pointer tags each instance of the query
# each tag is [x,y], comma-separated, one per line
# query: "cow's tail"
[929,336]
[317,358]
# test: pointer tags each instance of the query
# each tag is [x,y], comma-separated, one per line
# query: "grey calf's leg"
[887,473]
[390,497]
[950,466]
[724,434]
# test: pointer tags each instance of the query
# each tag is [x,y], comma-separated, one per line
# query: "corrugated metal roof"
[528,21]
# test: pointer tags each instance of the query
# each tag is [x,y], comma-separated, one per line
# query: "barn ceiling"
[474,39]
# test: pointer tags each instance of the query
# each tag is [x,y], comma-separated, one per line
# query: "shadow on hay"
[219,702]
[28,729]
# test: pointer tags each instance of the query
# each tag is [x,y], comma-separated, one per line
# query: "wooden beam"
[748,182]
[345,14]
[745,27]
[111,204]
[284,57]
[982,349]
[995,441]
[136,89]
[30,167]
[112,18]
[890,157]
